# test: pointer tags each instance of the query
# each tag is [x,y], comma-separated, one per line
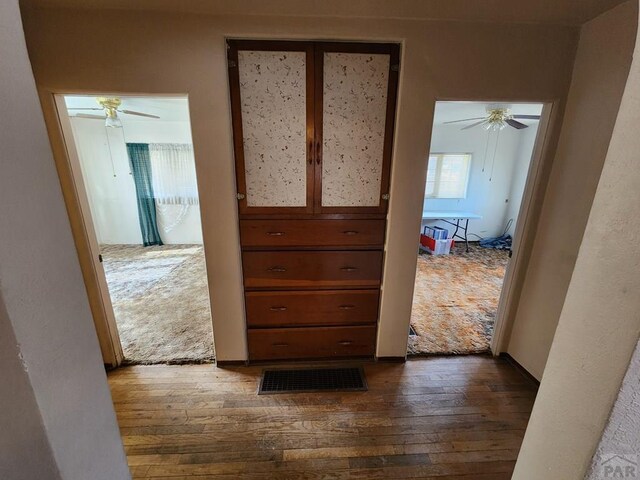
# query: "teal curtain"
[141,170]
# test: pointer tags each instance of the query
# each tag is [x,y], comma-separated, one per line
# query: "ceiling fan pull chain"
[113,167]
[486,150]
[493,162]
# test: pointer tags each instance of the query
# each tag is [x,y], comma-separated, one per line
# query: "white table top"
[436,215]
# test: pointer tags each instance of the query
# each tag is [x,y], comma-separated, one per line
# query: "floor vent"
[312,380]
[412,332]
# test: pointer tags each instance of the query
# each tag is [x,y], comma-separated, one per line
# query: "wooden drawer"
[330,307]
[301,269]
[311,233]
[319,342]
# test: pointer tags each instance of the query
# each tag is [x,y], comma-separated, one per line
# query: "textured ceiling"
[563,12]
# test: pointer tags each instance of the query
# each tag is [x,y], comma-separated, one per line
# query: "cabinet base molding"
[391,359]
[231,363]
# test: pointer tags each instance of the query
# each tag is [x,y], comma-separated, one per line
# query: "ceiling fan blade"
[88,115]
[516,124]
[464,120]
[527,117]
[474,124]
[140,114]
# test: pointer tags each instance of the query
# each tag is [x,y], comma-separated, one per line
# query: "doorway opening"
[479,163]
[133,170]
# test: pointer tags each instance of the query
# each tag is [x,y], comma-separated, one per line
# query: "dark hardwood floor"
[442,417]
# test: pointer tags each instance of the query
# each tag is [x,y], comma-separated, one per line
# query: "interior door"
[355,101]
[272,84]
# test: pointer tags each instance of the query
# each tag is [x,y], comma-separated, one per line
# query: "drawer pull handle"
[279,344]
[345,342]
[351,232]
[278,309]
[347,307]
[276,269]
[348,269]
[275,234]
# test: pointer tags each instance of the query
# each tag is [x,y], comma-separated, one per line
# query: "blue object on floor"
[502,242]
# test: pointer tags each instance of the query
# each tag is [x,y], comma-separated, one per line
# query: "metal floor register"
[312,380]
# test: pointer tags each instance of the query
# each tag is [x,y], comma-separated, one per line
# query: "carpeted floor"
[161,302]
[455,300]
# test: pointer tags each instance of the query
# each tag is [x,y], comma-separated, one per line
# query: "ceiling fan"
[497,118]
[111,108]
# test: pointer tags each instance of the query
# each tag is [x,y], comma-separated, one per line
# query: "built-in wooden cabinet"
[313,133]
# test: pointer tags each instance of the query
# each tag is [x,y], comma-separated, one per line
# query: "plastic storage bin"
[436,247]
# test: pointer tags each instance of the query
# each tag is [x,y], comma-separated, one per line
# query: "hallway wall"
[61,396]
[599,327]
[599,76]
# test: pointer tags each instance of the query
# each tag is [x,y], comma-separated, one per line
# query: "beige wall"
[23,437]
[599,76]
[599,326]
[57,419]
[134,52]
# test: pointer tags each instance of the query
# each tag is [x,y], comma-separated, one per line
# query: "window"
[448,175]
[173,174]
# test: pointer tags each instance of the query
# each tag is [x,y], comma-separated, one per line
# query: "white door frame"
[104,319]
[525,225]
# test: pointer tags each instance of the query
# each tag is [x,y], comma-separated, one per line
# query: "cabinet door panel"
[355,127]
[273,102]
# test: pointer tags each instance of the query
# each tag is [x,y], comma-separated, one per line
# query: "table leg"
[466,239]
[457,226]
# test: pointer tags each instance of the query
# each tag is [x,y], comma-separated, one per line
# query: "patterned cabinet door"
[272,107]
[355,107]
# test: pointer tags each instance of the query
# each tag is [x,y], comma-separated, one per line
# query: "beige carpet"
[455,300]
[161,302]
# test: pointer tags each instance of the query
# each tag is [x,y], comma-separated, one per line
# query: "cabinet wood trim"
[236,118]
[393,50]
[314,93]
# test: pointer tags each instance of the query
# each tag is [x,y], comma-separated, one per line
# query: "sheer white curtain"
[173,174]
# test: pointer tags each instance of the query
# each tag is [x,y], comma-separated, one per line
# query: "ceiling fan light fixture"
[112,122]
[497,119]
[110,105]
